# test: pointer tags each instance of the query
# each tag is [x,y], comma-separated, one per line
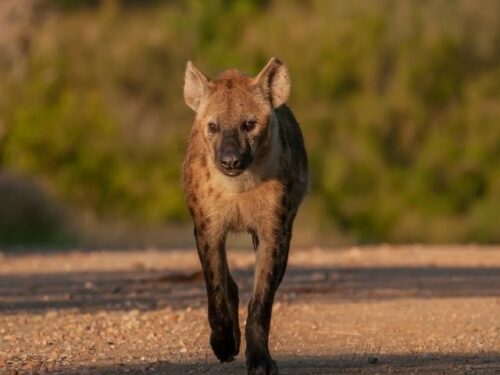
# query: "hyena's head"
[234,112]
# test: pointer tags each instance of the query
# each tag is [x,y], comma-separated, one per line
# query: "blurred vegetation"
[28,216]
[399,102]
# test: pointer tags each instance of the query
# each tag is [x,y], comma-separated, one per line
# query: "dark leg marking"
[255,240]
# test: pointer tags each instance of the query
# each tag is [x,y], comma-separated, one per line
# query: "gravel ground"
[374,310]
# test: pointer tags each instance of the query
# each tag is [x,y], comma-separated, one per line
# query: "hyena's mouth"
[232,168]
[232,172]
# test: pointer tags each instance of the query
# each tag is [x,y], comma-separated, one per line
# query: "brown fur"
[262,200]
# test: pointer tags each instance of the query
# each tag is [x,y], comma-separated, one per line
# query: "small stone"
[372,360]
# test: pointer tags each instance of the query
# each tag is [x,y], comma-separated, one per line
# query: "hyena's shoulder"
[294,156]
[290,129]
[291,136]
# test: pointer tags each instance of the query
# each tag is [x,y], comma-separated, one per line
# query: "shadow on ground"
[146,290]
[427,363]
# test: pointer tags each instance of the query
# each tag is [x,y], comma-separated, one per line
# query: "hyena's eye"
[249,125]
[213,127]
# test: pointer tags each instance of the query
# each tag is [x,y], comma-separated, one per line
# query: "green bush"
[399,103]
[28,214]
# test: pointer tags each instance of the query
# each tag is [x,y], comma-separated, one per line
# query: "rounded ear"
[196,86]
[274,81]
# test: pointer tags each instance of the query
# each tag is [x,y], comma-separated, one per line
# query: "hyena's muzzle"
[233,157]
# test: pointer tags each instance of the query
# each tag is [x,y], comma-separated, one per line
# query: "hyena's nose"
[231,160]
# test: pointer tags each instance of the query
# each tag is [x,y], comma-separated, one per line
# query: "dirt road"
[422,310]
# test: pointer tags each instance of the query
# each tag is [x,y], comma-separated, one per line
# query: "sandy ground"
[377,310]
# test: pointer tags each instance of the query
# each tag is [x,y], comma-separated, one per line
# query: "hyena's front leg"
[222,293]
[271,261]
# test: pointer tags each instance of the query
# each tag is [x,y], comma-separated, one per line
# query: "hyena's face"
[234,113]
[235,125]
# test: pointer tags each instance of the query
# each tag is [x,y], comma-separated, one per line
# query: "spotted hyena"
[245,171]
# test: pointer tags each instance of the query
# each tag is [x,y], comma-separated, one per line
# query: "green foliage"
[28,215]
[399,103]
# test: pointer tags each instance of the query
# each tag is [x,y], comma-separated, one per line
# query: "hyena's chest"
[225,205]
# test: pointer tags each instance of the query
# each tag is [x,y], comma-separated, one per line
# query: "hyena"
[245,171]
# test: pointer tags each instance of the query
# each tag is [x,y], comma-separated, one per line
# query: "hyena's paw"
[225,344]
[261,365]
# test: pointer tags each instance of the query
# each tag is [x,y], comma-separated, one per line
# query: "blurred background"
[399,102]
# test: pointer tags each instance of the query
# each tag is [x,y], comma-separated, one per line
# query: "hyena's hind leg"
[233,300]
[271,262]
[222,293]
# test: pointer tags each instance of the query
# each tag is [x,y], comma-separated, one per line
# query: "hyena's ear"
[274,81]
[196,86]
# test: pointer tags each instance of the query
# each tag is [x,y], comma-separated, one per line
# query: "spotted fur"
[262,199]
